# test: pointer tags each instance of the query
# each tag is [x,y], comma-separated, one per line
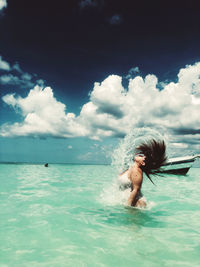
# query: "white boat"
[180,165]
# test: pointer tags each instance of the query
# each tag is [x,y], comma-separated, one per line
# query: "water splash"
[113,196]
[122,156]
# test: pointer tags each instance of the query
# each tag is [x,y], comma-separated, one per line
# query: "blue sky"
[77,76]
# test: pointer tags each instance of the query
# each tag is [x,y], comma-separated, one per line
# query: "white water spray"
[122,157]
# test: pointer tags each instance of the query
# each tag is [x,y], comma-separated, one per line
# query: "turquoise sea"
[74,215]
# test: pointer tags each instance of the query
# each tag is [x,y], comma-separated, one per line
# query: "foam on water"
[111,195]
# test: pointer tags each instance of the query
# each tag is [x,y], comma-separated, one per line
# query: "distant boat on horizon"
[179,165]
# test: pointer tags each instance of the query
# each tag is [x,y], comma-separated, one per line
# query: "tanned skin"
[135,174]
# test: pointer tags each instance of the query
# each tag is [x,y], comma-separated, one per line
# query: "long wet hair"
[155,152]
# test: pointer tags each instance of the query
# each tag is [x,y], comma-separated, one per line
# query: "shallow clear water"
[73,215]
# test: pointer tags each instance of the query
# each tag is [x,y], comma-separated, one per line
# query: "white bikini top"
[124,181]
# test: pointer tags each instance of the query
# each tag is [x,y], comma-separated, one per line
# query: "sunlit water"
[74,215]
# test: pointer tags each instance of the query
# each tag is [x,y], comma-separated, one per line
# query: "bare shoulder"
[135,175]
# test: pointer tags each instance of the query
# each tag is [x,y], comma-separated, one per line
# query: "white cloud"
[19,78]
[10,79]
[10,99]
[113,111]
[3,4]
[115,19]
[43,116]
[3,64]
[69,147]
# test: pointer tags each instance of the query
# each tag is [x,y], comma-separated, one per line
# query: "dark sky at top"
[72,46]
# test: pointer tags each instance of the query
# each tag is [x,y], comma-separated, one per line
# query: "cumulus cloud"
[3,4]
[113,110]
[115,19]
[43,116]
[3,64]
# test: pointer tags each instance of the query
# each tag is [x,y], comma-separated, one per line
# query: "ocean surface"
[74,215]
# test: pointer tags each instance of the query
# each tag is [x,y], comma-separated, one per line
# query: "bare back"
[135,175]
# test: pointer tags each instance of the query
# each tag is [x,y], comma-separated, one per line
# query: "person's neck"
[137,165]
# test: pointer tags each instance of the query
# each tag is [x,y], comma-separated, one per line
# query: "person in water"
[149,157]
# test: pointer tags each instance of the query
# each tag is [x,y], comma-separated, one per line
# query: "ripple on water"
[70,215]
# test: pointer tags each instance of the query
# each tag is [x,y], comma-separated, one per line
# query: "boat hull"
[181,171]
[179,165]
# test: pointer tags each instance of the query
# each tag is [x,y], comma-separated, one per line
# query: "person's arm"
[137,182]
